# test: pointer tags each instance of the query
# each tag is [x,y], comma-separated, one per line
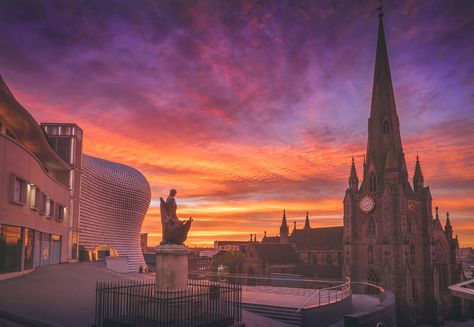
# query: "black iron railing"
[137,303]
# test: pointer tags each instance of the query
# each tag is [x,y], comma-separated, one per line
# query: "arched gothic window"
[370,253]
[412,254]
[371,228]
[329,260]
[373,278]
[315,259]
[413,288]
[441,266]
[411,223]
[386,127]
[372,182]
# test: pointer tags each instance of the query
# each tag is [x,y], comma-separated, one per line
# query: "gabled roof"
[271,239]
[277,253]
[318,238]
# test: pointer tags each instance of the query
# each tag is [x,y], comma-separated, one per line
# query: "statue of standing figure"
[174,231]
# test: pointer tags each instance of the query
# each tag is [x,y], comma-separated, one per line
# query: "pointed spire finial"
[283,220]
[264,234]
[306,223]
[294,225]
[353,179]
[437,217]
[380,9]
[448,222]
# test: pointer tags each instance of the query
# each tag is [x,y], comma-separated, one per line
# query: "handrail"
[237,275]
[318,291]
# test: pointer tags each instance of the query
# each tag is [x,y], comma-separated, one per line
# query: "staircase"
[284,314]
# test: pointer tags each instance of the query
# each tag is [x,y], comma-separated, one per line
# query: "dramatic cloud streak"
[249,107]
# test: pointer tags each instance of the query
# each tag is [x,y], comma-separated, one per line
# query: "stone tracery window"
[370,253]
[372,182]
[371,228]
[441,260]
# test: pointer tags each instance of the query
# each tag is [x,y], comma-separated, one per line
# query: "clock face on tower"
[367,204]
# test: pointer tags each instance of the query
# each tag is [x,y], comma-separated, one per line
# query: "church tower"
[388,225]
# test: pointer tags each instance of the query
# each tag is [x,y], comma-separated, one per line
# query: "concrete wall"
[384,312]
[327,314]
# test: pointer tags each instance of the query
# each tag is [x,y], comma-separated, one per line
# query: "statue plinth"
[171,267]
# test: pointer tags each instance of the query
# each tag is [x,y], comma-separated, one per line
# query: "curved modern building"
[43,216]
[35,193]
[114,201]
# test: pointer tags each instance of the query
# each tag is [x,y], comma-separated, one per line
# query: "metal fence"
[138,303]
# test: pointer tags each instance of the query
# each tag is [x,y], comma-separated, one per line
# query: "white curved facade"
[113,204]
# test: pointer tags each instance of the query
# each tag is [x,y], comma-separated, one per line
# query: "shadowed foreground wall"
[114,200]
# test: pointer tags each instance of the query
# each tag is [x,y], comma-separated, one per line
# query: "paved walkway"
[62,295]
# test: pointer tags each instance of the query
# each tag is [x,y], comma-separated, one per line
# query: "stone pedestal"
[171,267]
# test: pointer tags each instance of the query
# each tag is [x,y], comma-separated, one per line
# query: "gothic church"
[390,237]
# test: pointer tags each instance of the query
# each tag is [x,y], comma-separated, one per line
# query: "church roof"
[271,239]
[318,238]
[277,253]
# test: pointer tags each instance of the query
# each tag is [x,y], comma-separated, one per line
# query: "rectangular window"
[49,208]
[55,249]
[34,197]
[29,248]
[60,213]
[41,204]
[45,249]
[74,247]
[17,190]
[10,249]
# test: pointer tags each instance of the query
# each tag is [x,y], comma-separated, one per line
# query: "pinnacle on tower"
[284,229]
[353,179]
[437,216]
[306,223]
[294,225]
[418,180]
[448,229]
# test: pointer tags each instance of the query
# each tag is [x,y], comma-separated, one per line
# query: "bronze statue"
[174,231]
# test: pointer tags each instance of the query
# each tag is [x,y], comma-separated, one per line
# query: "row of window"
[37,199]
[37,252]
[372,231]
[371,255]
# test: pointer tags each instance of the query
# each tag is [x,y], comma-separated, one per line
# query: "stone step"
[287,315]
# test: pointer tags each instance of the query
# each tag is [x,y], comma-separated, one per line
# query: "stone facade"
[390,236]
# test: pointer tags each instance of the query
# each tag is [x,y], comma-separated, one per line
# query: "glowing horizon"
[248,109]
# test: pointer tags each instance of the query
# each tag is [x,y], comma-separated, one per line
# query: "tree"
[233,260]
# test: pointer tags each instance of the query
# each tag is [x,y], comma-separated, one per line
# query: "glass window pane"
[10,249]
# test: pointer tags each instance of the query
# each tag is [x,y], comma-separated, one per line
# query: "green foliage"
[232,260]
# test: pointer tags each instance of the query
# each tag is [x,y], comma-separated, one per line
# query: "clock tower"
[388,225]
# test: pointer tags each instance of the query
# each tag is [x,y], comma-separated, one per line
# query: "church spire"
[418,180]
[384,145]
[353,179]
[448,229]
[306,222]
[284,229]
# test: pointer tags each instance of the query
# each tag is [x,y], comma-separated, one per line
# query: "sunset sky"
[250,107]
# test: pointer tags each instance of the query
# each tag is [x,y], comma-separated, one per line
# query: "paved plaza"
[64,295]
